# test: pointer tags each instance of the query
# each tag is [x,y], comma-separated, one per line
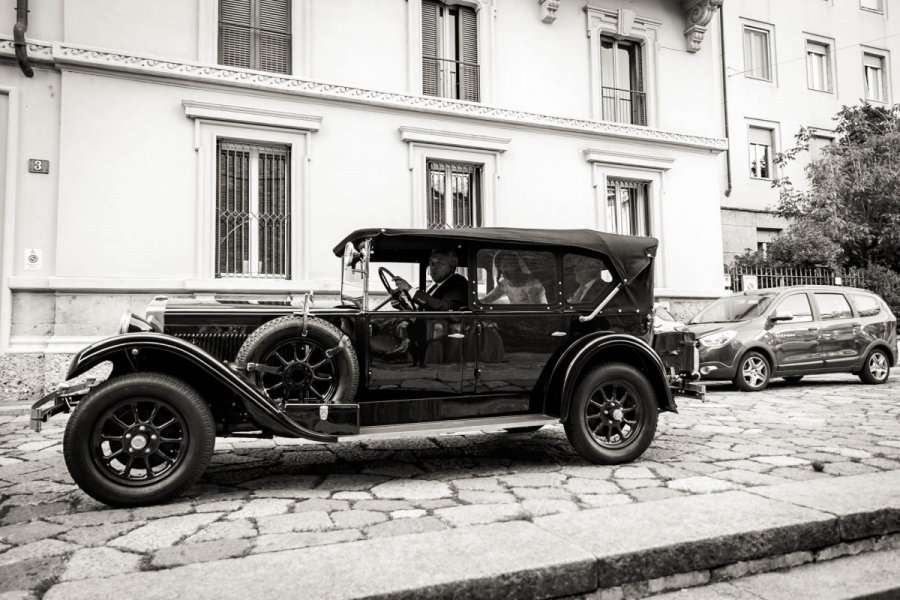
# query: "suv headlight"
[717,339]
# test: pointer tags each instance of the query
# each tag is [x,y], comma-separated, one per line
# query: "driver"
[450,289]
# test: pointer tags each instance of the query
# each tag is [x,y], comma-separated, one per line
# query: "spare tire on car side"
[305,360]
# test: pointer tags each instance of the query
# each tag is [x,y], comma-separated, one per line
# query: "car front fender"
[623,348]
[127,352]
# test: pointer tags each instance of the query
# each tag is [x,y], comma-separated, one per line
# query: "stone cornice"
[65,56]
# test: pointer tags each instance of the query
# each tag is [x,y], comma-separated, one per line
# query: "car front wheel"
[613,415]
[877,367]
[139,439]
[753,372]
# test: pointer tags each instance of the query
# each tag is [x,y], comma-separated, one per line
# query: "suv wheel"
[139,439]
[877,367]
[752,373]
[613,415]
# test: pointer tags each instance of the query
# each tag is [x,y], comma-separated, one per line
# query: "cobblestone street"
[262,496]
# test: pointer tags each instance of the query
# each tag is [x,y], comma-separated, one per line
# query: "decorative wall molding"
[251,116]
[548,10]
[452,138]
[87,58]
[628,159]
[698,13]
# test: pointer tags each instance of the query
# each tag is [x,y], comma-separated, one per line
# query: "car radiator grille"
[222,345]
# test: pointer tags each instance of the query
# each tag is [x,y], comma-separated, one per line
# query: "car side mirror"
[782,316]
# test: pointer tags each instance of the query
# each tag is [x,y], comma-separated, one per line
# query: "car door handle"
[456,336]
[813,329]
[558,334]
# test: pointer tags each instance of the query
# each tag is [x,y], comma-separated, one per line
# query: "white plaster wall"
[45,19]
[788,101]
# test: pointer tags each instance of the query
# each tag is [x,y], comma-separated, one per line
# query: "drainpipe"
[19,30]
[725,98]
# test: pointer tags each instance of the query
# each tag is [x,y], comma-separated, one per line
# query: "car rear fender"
[157,352]
[596,349]
[881,345]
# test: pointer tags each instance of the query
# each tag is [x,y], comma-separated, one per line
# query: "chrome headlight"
[130,323]
[717,339]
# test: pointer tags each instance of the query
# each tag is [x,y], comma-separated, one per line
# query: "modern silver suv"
[790,332]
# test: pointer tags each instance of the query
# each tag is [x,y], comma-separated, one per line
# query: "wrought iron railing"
[624,106]
[451,79]
[744,278]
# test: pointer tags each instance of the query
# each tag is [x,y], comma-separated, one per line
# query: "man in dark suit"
[449,292]
[450,289]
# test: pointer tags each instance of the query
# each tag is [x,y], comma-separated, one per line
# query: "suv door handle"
[456,336]
[813,329]
[558,334]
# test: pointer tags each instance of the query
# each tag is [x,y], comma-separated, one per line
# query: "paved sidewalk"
[797,473]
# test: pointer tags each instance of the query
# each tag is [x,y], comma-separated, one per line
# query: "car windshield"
[734,308]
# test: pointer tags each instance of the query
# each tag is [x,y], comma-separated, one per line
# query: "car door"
[839,330]
[414,353]
[519,323]
[795,343]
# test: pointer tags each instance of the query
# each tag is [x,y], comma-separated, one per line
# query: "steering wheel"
[402,297]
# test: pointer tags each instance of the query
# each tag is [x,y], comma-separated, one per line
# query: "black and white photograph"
[358,299]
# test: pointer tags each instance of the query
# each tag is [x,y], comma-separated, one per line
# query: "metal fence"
[748,278]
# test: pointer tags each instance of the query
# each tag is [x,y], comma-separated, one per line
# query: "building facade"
[791,65]
[196,147]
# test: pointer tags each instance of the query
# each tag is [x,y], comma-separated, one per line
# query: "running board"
[456,425]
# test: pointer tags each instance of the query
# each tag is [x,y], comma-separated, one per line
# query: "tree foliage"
[853,193]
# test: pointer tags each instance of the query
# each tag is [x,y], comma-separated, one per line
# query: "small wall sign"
[38,165]
[33,259]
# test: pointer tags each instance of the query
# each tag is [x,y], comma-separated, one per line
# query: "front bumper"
[63,399]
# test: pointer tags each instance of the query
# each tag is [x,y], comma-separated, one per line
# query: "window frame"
[829,79]
[854,298]
[879,10]
[769,32]
[809,304]
[476,192]
[637,113]
[884,69]
[773,148]
[625,25]
[255,30]
[836,293]
[450,53]
[643,203]
[553,302]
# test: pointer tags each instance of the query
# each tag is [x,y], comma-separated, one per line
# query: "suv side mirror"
[782,316]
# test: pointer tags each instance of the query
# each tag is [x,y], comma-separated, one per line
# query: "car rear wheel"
[613,415]
[793,378]
[877,367]
[753,372]
[139,439]
[295,360]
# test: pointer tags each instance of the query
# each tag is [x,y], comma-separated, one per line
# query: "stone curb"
[565,554]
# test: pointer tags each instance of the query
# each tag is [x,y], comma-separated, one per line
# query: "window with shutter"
[253,210]
[760,152]
[255,34]
[627,210]
[622,81]
[450,51]
[876,89]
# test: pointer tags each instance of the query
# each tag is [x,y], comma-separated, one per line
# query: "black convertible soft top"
[628,255]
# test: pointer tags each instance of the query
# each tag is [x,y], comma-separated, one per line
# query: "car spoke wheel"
[295,360]
[139,439]
[613,415]
[753,372]
[877,367]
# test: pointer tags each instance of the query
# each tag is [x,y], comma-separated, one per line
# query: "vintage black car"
[548,326]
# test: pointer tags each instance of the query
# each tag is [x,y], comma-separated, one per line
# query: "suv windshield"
[734,308]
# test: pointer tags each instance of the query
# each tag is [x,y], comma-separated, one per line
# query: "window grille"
[255,34]
[627,209]
[454,195]
[622,82]
[450,51]
[253,210]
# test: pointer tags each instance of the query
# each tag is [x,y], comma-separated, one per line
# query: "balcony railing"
[450,79]
[624,106]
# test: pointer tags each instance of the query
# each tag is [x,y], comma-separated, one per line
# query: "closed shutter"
[255,34]
[430,80]
[235,21]
[275,36]
[468,54]
[639,97]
